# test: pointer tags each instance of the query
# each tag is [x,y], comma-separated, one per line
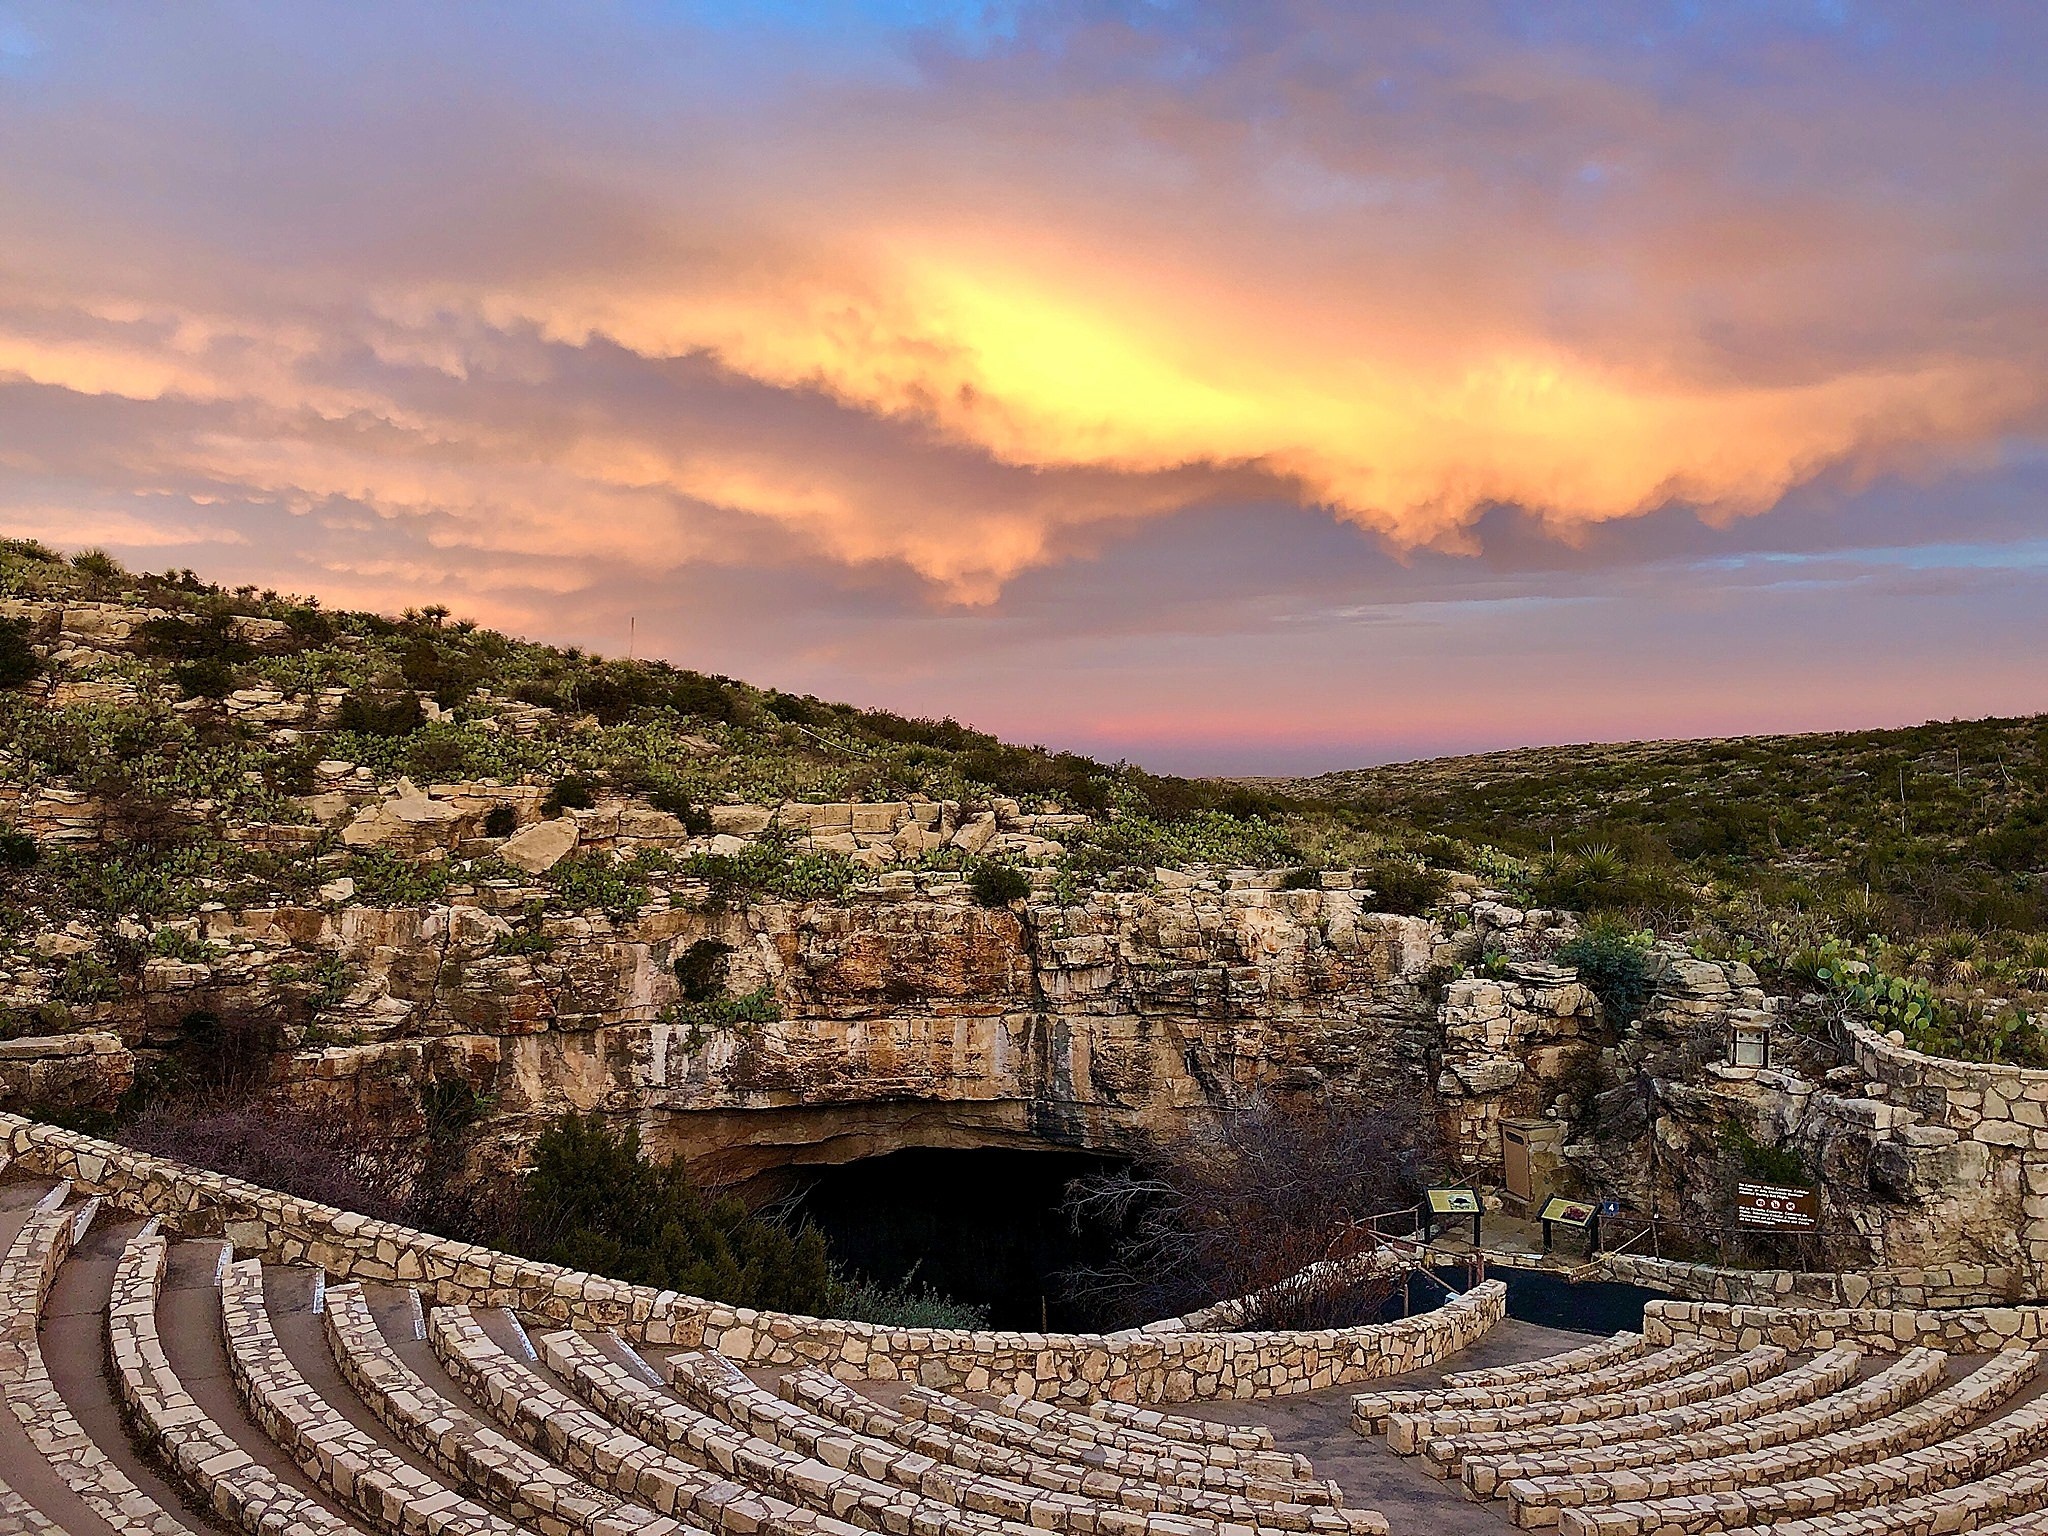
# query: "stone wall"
[1963,1331]
[1131,1367]
[1941,1286]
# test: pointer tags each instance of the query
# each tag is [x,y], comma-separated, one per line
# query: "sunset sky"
[1231,388]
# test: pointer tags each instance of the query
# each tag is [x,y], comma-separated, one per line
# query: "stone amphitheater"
[183,1352]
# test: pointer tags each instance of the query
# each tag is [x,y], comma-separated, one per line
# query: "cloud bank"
[533,304]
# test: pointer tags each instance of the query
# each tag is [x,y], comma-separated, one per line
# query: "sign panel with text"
[1776,1208]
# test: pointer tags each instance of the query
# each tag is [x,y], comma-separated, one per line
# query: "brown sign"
[1776,1208]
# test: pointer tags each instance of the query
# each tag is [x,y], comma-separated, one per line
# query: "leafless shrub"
[1273,1206]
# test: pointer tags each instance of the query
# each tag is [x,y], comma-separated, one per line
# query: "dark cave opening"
[981,1225]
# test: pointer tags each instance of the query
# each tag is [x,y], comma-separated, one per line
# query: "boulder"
[540,847]
[409,820]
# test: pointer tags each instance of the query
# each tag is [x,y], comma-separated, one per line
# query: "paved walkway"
[1318,1425]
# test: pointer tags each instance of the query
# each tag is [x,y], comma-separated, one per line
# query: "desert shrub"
[1618,965]
[386,879]
[501,821]
[905,1304]
[595,1201]
[86,980]
[571,793]
[102,572]
[380,712]
[666,795]
[205,650]
[996,884]
[1750,1158]
[20,662]
[227,1053]
[596,879]
[1236,1211]
[1404,887]
[700,970]
[768,867]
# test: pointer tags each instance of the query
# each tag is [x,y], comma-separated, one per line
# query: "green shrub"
[20,662]
[1755,1160]
[595,1201]
[1617,965]
[385,879]
[1403,887]
[996,884]
[700,970]
[380,712]
[572,793]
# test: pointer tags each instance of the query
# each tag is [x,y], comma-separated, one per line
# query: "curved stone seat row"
[1246,1437]
[1408,1433]
[667,1421]
[1371,1410]
[1278,1479]
[835,1400]
[1928,1422]
[1818,1377]
[1905,1380]
[238,1487]
[721,1389]
[1063,1424]
[358,1470]
[717,1386]
[2016,1437]
[603,1453]
[526,1485]
[26,1274]
[1619,1349]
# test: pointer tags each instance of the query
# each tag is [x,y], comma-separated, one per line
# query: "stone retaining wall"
[1961,1331]
[1955,1285]
[1130,1366]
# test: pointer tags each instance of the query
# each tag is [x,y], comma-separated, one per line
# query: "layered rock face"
[910,1016]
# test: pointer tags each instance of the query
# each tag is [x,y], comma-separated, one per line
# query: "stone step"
[189,1332]
[1802,1384]
[547,1418]
[1370,1411]
[717,1386]
[1246,1437]
[220,1471]
[1085,1429]
[1554,1478]
[394,1495]
[962,1417]
[659,1417]
[520,1483]
[79,1461]
[1446,1429]
[1930,1421]
[1618,1350]
[2005,1442]
[2021,1491]
[835,1400]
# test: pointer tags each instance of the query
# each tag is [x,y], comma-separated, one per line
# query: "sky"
[1260,388]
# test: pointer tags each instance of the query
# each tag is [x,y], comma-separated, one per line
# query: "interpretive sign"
[1441,1201]
[1776,1207]
[1566,1213]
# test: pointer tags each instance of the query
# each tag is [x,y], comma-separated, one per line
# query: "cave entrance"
[982,1225]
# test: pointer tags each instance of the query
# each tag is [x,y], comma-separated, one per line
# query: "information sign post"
[1450,1201]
